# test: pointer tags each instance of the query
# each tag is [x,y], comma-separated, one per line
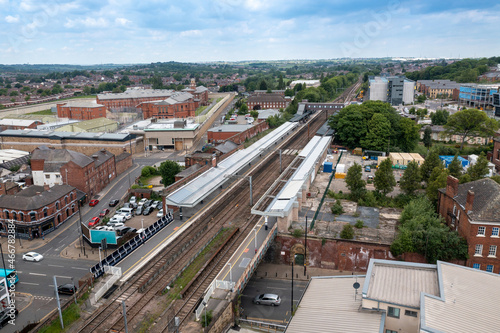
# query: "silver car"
[267,299]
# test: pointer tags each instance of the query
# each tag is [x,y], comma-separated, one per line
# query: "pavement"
[284,272]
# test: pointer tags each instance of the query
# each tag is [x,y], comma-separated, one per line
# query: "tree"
[281,84]
[421,98]
[263,85]
[432,161]
[354,182]
[409,134]
[379,132]
[350,127]
[455,168]
[384,180]
[427,139]
[254,114]
[470,123]
[168,170]
[436,181]
[440,117]
[157,82]
[479,169]
[243,109]
[410,182]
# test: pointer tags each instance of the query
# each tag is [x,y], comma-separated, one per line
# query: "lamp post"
[230,272]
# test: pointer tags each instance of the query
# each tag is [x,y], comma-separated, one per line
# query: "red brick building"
[81,110]
[266,101]
[62,166]
[235,133]
[16,124]
[473,210]
[179,105]
[199,93]
[496,153]
[36,210]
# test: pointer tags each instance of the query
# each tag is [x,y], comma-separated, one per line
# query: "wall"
[222,319]
[239,138]
[123,164]
[402,324]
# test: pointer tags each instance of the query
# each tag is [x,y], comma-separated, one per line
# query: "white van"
[125,210]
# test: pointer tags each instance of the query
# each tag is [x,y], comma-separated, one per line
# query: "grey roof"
[230,128]
[189,171]
[56,158]
[30,133]
[82,104]
[122,156]
[102,156]
[178,97]
[34,197]
[226,147]
[266,98]
[137,93]
[329,306]
[486,203]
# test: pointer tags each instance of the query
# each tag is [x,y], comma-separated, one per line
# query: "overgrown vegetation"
[347,232]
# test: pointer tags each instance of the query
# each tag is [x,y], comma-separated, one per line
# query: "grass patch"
[70,315]
[257,137]
[200,110]
[43,112]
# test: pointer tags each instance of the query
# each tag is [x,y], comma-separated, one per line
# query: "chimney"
[46,187]
[95,157]
[451,186]
[469,202]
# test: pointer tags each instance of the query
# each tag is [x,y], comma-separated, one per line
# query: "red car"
[94,221]
[104,212]
[93,202]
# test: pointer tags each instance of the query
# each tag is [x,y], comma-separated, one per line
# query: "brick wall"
[123,165]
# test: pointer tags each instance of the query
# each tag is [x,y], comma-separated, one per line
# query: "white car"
[142,201]
[106,228]
[117,218]
[127,216]
[32,256]
[133,200]
[160,213]
[116,226]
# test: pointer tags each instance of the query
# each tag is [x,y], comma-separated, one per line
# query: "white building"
[395,90]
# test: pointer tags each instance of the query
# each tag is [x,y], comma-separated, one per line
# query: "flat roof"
[230,128]
[331,305]
[32,133]
[196,190]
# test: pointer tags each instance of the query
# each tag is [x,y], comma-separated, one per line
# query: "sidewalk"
[284,272]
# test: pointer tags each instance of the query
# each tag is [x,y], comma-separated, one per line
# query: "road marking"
[63,239]
[83,269]
[33,284]
[38,274]
[63,277]
[246,250]
[55,265]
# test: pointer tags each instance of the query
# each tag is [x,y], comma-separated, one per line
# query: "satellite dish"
[356,285]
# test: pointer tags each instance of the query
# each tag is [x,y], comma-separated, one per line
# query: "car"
[94,221]
[132,199]
[267,299]
[370,177]
[104,212]
[148,210]
[142,201]
[116,225]
[160,213]
[7,315]
[104,228]
[130,205]
[67,288]
[139,210]
[149,203]
[93,202]
[117,218]
[367,168]
[127,216]
[32,256]
[114,202]
[156,204]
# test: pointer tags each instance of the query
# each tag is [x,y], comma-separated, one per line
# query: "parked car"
[132,199]
[105,228]
[32,256]
[93,202]
[267,299]
[104,212]
[148,210]
[128,216]
[139,210]
[120,231]
[149,203]
[94,221]
[67,288]
[160,213]
[117,225]
[156,204]
[133,205]
[142,201]
[367,168]
[114,202]
[7,315]
[117,218]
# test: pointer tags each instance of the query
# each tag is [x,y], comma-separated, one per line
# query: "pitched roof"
[55,158]
[34,197]
[226,147]
[266,98]
[486,203]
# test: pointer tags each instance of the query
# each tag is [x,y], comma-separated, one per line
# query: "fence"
[127,248]
[263,326]
[116,274]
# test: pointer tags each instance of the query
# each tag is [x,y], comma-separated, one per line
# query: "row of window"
[394,312]
[15,216]
[495,231]
[491,253]
[489,268]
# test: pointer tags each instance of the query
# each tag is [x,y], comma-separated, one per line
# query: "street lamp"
[255,236]
[142,224]
[230,272]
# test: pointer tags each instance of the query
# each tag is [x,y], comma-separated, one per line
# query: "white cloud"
[27,6]
[11,19]
[88,22]
[191,33]
[122,21]
[256,5]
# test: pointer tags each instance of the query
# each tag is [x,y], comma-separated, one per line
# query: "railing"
[116,274]
[127,248]
[263,326]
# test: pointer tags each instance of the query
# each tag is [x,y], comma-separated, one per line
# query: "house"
[472,210]
[266,101]
[37,210]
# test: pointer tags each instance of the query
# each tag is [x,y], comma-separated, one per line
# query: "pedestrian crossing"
[44,298]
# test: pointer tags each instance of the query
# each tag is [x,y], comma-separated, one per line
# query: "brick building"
[472,209]
[496,153]
[81,110]
[235,133]
[179,105]
[18,124]
[266,101]
[36,210]
[199,93]
[61,166]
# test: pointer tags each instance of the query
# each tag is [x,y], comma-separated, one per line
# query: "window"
[494,231]
[14,216]
[47,176]
[479,250]
[411,313]
[489,268]
[476,266]
[45,212]
[493,251]
[57,205]
[33,216]
[393,312]
[7,215]
[481,231]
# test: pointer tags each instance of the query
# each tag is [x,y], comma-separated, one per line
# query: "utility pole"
[281,168]
[58,303]
[125,316]
[291,301]
[305,251]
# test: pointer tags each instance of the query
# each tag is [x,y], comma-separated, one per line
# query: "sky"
[90,32]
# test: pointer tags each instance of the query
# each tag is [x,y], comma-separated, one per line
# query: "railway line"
[143,289]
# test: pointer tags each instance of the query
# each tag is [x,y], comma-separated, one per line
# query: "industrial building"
[396,90]
[479,96]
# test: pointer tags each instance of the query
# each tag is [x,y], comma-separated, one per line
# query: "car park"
[114,202]
[132,199]
[148,210]
[68,288]
[125,211]
[32,256]
[160,213]
[142,201]
[104,212]
[116,225]
[127,216]
[267,299]
[156,204]
[117,218]
[139,210]
[93,202]
[148,203]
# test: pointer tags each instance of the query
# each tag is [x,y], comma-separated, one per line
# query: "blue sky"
[144,31]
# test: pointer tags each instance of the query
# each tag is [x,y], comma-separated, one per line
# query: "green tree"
[421,98]
[440,117]
[354,182]
[409,134]
[379,132]
[350,127]
[455,168]
[243,109]
[254,114]
[263,85]
[168,170]
[157,82]
[410,182]
[431,161]
[427,139]
[281,84]
[470,123]
[384,180]
[479,169]
[436,181]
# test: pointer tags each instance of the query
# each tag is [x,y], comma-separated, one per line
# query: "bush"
[148,171]
[206,318]
[297,233]
[347,232]
[337,208]
[368,200]
[359,224]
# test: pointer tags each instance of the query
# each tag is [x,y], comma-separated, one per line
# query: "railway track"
[138,293]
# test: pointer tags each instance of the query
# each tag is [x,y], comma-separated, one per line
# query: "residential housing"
[439,88]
